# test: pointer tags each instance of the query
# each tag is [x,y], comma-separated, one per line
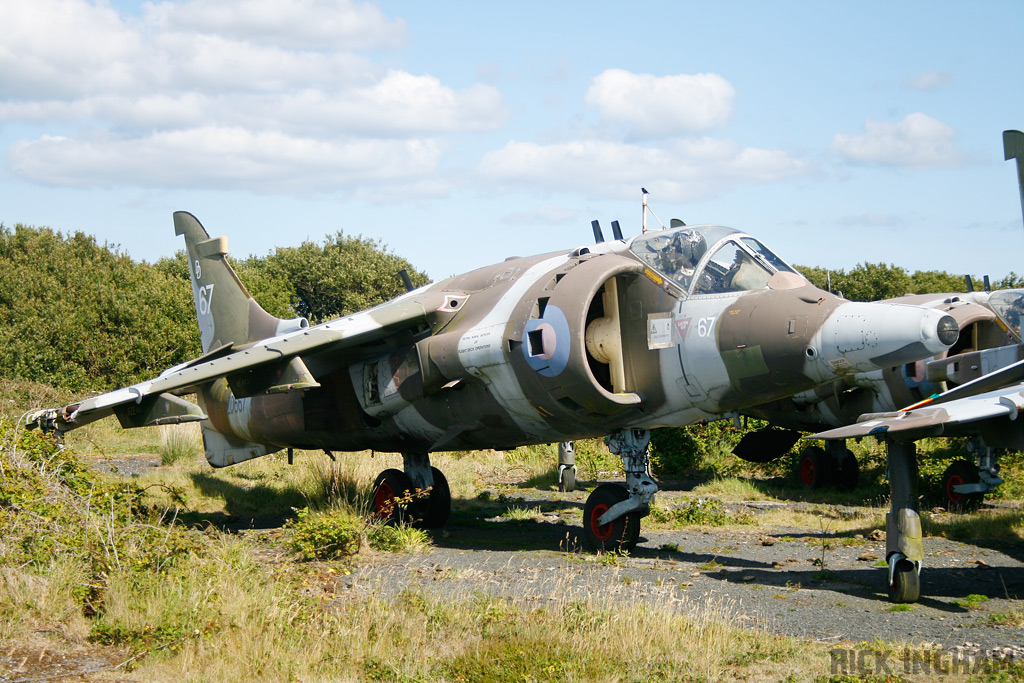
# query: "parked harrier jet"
[616,338]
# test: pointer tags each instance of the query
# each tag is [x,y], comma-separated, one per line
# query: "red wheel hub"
[954,496]
[384,500]
[601,532]
[807,471]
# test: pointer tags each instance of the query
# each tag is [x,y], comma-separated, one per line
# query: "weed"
[179,442]
[612,558]
[334,534]
[397,538]
[1013,617]
[523,514]
[902,607]
[972,601]
[697,512]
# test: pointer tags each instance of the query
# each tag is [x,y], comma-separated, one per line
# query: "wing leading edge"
[273,365]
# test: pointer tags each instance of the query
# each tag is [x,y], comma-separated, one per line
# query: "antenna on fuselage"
[406,280]
[1013,148]
[643,222]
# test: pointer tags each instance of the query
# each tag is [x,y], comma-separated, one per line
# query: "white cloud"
[232,158]
[296,24]
[651,106]
[231,83]
[682,169]
[918,141]
[60,48]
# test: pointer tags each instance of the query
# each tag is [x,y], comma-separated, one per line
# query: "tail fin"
[226,312]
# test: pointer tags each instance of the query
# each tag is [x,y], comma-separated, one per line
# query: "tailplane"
[227,313]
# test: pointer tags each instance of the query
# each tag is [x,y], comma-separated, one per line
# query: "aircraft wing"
[273,365]
[934,420]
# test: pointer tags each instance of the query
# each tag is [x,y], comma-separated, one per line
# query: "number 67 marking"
[705,326]
[205,299]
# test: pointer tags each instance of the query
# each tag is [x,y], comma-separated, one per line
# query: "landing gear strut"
[904,547]
[611,517]
[420,495]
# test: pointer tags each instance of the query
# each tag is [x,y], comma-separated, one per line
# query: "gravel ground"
[770,578]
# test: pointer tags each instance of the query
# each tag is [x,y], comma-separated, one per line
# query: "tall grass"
[180,442]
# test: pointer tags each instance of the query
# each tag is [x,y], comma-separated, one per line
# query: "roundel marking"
[547,342]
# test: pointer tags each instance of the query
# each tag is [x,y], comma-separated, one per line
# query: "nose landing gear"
[612,514]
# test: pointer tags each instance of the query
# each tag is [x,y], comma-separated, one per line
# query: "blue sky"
[463,133]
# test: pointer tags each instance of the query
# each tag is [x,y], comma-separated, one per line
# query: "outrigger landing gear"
[611,517]
[965,483]
[566,466]
[419,495]
[904,547]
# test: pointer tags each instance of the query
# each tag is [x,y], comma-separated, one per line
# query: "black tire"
[960,472]
[391,493]
[618,536]
[815,467]
[433,510]
[846,472]
[567,479]
[906,583]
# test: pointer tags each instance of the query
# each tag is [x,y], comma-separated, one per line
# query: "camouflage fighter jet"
[616,338]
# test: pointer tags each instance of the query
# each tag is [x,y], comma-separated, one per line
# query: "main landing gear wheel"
[815,467]
[619,535]
[905,585]
[960,472]
[433,510]
[392,491]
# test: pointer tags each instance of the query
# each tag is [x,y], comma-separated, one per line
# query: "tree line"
[85,316]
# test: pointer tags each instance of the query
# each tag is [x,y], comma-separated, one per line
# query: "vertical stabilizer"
[226,312]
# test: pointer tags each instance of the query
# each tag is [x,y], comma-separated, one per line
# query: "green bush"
[334,534]
[674,451]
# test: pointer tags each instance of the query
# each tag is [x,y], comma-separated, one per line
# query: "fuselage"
[665,329]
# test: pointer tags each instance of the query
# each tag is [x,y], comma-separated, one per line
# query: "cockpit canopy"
[708,259]
[1008,304]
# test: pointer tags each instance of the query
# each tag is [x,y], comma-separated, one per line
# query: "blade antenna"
[616,230]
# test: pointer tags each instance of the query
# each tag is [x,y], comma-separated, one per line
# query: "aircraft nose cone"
[948,330]
[861,337]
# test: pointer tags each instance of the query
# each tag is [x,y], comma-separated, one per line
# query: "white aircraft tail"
[228,317]
[226,312]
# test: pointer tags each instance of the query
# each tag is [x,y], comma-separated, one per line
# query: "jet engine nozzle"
[861,337]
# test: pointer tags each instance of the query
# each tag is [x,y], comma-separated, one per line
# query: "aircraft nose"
[861,337]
